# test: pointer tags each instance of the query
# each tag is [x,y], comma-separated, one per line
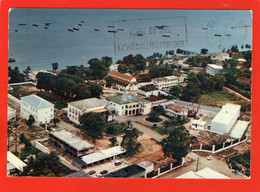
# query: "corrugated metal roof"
[88,103]
[120,75]
[126,98]
[15,161]
[71,139]
[103,154]
[36,101]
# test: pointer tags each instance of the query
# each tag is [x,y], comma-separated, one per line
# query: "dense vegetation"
[67,85]
[15,75]
[177,144]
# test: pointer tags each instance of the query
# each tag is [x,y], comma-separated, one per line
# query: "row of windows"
[73,117]
[74,111]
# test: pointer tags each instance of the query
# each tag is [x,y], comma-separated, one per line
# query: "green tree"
[107,61]
[122,68]
[95,89]
[93,124]
[204,51]
[113,140]
[27,71]
[55,66]
[130,143]
[177,144]
[55,121]
[175,91]
[98,70]
[14,75]
[30,121]
[166,124]
[109,81]
[83,91]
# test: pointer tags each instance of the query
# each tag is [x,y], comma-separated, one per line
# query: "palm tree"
[166,124]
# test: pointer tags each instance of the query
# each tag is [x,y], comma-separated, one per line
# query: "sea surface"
[40,37]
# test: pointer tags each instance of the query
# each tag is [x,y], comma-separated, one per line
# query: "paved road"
[153,134]
[214,164]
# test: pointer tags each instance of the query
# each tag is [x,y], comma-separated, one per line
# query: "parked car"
[104,172]
[99,175]
[91,172]
[209,158]
[118,163]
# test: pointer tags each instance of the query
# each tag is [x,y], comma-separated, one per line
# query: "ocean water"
[132,31]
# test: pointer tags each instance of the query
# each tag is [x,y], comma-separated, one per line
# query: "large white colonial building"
[166,83]
[77,108]
[123,81]
[129,104]
[40,109]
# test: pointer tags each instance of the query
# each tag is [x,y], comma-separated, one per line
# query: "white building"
[148,90]
[225,119]
[14,164]
[148,165]
[129,104]
[198,125]
[11,114]
[123,81]
[175,111]
[40,109]
[165,83]
[213,69]
[77,108]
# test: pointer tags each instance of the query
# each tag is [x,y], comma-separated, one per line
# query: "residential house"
[175,111]
[213,69]
[148,90]
[40,109]
[77,108]
[165,83]
[129,104]
[123,81]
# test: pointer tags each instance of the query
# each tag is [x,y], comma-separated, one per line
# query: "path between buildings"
[153,134]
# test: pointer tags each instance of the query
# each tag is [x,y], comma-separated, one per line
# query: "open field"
[217,98]
[22,90]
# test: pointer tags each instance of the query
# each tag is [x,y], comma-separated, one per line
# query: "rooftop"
[214,66]
[175,108]
[126,171]
[120,75]
[15,161]
[153,98]
[36,101]
[227,113]
[88,103]
[148,88]
[103,154]
[205,173]
[71,139]
[239,129]
[126,98]
[166,78]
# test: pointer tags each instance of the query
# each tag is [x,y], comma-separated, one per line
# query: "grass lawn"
[159,129]
[22,90]
[216,98]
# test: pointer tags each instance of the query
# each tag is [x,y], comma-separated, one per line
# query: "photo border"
[124,185]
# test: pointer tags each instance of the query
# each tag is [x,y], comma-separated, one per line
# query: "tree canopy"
[177,144]
[130,142]
[93,124]
[15,75]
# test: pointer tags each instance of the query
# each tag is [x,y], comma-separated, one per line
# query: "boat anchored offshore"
[75,29]
[35,25]
[10,60]
[112,31]
[71,30]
